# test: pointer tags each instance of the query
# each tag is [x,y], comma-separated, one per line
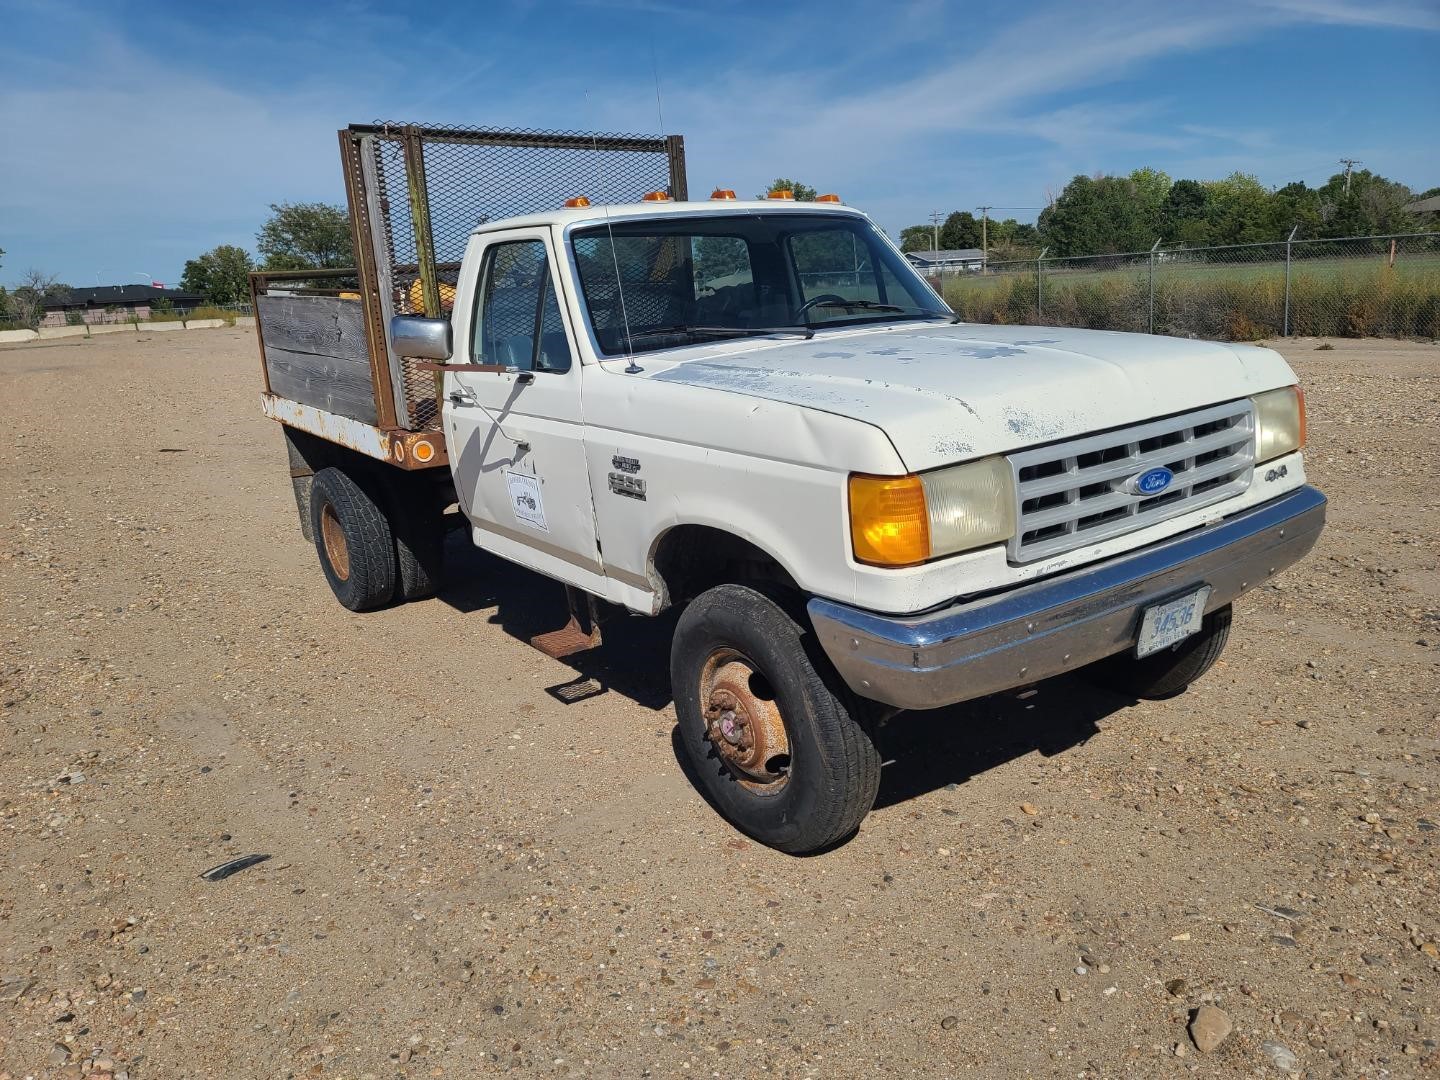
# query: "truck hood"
[948,393]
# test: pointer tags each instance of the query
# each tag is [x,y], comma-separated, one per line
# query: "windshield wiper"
[723,331]
[875,305]
[867,305]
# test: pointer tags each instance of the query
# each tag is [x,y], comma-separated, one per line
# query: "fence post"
[1288,241]
[1153,248]
[1040,284]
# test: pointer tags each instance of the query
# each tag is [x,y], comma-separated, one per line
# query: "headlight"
[906,520]
[1279,422]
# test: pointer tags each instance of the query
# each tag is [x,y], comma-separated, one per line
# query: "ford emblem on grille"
[1150,482]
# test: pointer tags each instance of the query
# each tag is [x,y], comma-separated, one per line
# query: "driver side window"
[517,317]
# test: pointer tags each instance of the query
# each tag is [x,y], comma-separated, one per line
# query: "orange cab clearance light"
[579,202]
[889,523]
[828,198]
[723,193]
[423,451]
[781,193]
[655,196]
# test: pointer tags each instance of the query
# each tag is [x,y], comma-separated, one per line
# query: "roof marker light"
[831,198]
[579,202]
[723,193]
[655,196]
[781,193]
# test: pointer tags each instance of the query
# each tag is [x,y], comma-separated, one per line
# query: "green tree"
[1185,214]
[960,230]
[1096,216]
[1152,187]
[803,192]
[221,275]
[917,238]
[1294,205]
[1368,204]
[1239,210]
[305,236]
[1011,239]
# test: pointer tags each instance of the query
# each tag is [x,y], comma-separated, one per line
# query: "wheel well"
[430,489]
[692,558]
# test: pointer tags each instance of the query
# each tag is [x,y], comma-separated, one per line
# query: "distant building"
[932,262]
[115,303]
[1427,210]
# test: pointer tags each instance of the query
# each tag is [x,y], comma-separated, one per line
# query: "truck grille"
[1072,493]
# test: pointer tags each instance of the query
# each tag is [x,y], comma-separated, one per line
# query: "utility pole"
[984,234]
[1349,164]
[935,218]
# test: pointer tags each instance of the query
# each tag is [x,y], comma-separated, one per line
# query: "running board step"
[580,633]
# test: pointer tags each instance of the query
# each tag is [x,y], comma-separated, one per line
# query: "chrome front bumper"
[1060,623]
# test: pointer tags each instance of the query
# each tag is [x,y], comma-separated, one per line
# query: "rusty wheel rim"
[743,721]
[337,552]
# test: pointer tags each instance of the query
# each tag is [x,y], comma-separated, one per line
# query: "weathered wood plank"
[324,325]
[326,382]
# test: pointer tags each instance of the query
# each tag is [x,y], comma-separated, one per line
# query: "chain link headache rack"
[416,192]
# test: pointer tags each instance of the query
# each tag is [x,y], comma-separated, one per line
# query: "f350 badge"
[1150,482]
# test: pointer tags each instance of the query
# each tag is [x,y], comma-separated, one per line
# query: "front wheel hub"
[743,721]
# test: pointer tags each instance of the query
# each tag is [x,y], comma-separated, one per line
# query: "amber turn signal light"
[889,524]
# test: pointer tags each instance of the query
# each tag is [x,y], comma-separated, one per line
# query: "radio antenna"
[655,70]
[631,368]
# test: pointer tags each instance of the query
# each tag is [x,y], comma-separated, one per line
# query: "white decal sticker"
[526,500]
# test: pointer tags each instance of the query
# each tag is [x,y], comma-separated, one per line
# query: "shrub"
[210,311]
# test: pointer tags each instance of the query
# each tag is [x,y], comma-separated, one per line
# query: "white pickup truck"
[759,411]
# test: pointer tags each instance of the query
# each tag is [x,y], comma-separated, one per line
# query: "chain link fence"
[1359,286]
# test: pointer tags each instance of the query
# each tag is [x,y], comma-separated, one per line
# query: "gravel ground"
[467,875]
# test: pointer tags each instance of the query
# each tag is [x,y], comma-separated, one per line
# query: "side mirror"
[422,338]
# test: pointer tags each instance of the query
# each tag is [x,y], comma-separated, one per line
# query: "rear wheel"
[1170,671]
[353,540]
[772,738]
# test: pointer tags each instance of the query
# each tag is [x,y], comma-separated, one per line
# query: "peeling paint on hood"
[952,392]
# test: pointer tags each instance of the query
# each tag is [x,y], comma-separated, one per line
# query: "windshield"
[685,280]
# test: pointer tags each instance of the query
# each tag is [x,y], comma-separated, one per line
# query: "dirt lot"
[469,875]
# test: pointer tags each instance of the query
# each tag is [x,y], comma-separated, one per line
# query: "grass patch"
[1328,298]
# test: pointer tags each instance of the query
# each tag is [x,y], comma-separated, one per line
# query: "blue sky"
[138,135]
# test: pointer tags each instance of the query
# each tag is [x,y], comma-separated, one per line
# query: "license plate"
[1170,623]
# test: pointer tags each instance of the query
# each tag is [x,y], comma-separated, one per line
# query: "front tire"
[1170,671]
[771,736]
[353,540]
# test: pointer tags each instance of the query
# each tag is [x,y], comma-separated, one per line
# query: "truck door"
[516,441]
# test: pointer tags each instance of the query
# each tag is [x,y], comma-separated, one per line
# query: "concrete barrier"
[48,333]
[204,324]
[15,336]
[111,328]
[244,320]
[160,327]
